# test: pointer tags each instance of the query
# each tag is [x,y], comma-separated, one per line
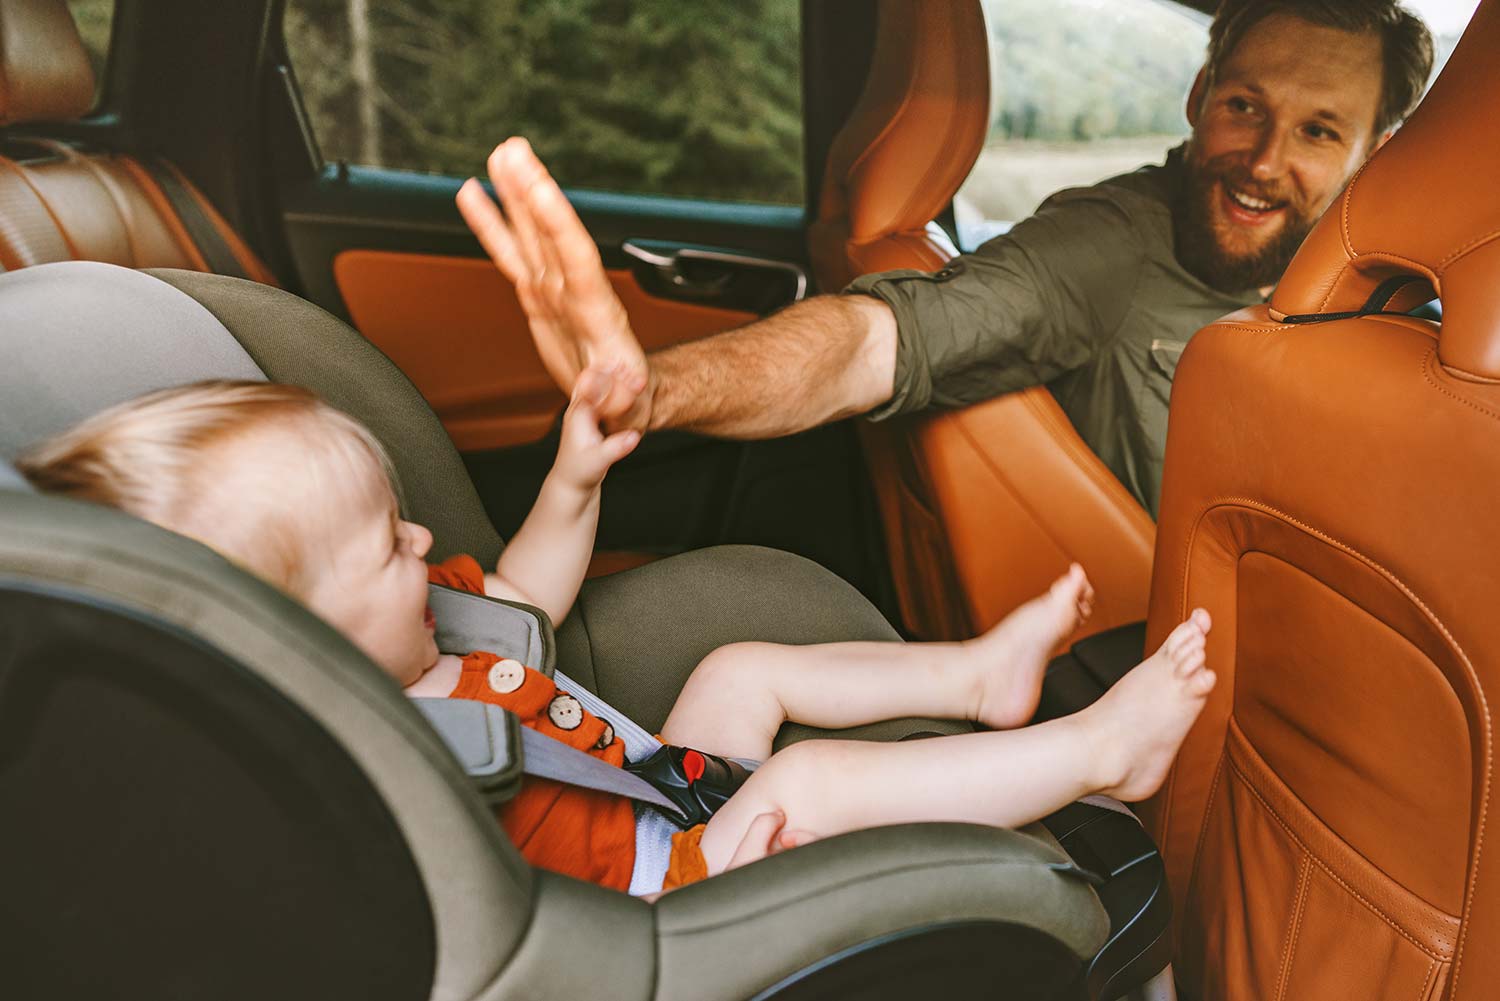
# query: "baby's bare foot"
[1142,721]
[1012,657]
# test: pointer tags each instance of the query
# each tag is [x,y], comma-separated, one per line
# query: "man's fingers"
[483,217]
[570,245]
[513,169]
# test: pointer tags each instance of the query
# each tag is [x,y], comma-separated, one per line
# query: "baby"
[303,496]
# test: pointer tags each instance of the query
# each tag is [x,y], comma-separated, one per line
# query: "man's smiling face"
[1276,135]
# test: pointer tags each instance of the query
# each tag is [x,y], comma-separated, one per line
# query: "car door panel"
[455,326]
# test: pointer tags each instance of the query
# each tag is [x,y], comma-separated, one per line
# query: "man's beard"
[1197,248]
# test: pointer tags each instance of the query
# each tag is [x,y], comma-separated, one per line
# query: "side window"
[95,18]
[1080,90]
[698,99]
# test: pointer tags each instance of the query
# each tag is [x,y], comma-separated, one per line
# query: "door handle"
[690,269]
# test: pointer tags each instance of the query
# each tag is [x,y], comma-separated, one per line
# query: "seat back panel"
[982,507]
[1326,500]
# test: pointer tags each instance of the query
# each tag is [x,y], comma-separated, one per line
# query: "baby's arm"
[544,563]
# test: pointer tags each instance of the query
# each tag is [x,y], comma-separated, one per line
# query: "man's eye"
[1239,105]
[1321,132]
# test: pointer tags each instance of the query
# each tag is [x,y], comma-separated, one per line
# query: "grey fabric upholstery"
[294,341]
[503,930]
[479,888]
[80,336]
[634,637]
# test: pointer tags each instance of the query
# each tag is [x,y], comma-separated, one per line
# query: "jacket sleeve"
[1025,308]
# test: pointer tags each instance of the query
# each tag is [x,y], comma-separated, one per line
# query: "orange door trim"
[455,327]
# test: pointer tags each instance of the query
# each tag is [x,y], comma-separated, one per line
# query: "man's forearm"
[817,361]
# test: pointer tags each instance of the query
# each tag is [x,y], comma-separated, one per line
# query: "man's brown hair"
[1405,41]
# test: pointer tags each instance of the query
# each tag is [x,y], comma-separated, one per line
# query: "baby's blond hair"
[175,457]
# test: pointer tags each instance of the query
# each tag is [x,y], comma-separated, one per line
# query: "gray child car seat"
[207,792]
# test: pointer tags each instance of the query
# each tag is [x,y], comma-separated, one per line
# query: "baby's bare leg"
[739,696]
[1123,745]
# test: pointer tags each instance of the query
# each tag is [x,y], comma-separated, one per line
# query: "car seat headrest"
[79,336]
[920,123]
[1425,206]
[44,71]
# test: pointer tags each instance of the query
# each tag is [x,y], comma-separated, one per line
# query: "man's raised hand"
[540,244]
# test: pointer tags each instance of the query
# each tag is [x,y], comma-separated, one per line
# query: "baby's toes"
[1178,637]
[1202,682]
[1189,658]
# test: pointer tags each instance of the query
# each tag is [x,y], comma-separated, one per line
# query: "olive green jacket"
[1085,297]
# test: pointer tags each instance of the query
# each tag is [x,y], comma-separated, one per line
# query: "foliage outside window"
[1080,90]
[94,19]
[701,99]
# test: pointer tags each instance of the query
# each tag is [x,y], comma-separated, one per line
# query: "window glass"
[95,19]
[1446,19]
[1080,90]
[698,99]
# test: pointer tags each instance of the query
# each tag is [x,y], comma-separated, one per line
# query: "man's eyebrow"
[1325,114]
[1332,116]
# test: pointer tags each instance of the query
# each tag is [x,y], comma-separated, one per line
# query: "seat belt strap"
[495,749]
[547,758]
[200,228]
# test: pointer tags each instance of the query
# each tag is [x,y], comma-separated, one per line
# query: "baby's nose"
[421,539]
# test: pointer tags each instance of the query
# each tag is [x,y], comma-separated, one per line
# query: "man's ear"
[1196,95]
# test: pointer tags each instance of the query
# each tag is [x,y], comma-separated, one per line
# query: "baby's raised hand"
[585,453]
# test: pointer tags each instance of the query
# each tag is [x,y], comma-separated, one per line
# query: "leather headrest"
[1426,206]
[920,123]
[44,71]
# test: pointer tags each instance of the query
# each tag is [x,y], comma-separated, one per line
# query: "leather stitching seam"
[1428,361]
[1432,969]
[1303,871]
[1471,245]
[1484,801]
[1213,792]
[1389,921]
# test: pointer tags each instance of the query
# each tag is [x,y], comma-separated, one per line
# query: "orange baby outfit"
[581,833]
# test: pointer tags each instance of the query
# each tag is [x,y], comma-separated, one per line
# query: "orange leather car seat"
[61,202]
[982,506]
[1330,498]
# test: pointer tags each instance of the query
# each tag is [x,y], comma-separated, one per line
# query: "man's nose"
[1268,158]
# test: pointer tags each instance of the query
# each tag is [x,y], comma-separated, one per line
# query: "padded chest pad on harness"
[698,783]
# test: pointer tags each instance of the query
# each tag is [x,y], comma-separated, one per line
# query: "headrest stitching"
[1471,245]
[1429,362]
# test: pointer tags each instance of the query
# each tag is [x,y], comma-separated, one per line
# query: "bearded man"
[1094,296]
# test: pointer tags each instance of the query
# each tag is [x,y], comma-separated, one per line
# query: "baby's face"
[360,566]
[374,590]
